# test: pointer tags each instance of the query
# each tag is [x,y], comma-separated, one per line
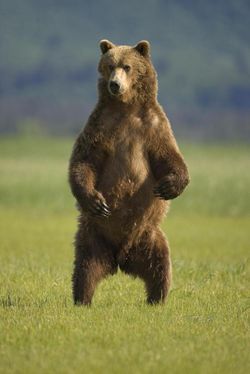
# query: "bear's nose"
[114,87]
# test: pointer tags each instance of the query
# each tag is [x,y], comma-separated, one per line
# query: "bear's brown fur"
[124,168]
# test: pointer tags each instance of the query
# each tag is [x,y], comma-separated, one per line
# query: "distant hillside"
[49,53]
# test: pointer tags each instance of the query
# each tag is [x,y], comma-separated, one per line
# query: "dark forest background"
[49,54]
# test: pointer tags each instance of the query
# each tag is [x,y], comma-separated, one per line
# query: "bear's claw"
[165,190]
[100,209]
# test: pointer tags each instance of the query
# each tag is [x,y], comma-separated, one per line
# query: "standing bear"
[124,168]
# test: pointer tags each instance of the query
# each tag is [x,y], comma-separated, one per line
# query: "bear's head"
[127,73]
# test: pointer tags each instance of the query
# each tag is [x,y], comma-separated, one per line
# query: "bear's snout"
[114,87]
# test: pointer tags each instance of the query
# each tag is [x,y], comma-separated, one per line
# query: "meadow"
[204,326]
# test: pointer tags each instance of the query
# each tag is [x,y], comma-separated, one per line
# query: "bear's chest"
[127,144]
[126,165]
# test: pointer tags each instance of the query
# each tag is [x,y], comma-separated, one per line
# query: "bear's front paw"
[98,207]
[166,189]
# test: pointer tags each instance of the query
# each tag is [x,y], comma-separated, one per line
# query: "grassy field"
[203,328]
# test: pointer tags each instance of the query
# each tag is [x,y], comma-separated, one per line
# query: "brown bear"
[124,168]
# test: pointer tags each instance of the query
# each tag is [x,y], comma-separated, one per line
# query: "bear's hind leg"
[150,260]
[94,260]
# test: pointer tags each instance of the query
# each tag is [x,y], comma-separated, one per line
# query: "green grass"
[203,328]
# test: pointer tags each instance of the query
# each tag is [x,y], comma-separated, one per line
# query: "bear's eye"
[127,68]
[111,67]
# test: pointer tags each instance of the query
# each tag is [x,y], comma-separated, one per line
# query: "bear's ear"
[106,45]
[143,47]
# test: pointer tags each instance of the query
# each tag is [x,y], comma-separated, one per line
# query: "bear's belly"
[127,185]
[126,175]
